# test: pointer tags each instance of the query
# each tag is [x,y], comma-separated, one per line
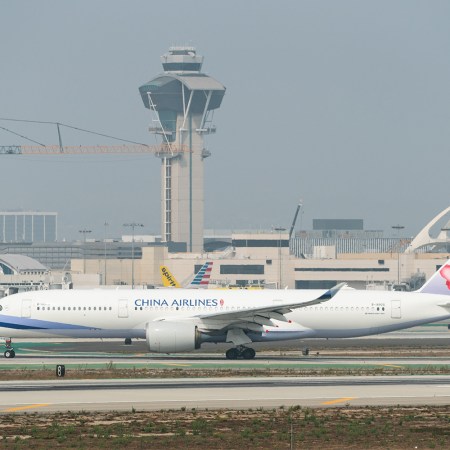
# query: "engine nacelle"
[172,337]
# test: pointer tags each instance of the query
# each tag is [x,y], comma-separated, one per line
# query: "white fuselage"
[125,313]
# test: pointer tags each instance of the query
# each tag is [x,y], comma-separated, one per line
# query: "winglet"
[331,292]
[328,295]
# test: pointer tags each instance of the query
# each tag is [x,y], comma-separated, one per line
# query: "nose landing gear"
[240,352]
[9,352]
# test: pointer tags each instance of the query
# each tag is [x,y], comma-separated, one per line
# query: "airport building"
[365,260]
[267,259]
[28,226]
[18,272]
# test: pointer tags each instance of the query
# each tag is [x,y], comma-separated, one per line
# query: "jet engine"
[172,337]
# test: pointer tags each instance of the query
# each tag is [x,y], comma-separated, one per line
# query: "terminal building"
[268,258]
[271,259]
[28,226]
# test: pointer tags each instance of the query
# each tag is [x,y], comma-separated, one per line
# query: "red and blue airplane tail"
[203,276]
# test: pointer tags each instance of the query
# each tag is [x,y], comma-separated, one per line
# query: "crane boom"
[295,220]
[162,150]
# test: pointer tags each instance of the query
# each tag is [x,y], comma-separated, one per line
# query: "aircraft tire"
[9,353]
[232,353]
[248,353]
[128,341]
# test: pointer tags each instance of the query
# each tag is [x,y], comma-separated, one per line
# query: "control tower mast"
[183,100]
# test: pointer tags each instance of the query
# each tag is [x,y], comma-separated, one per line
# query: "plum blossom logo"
[445,274]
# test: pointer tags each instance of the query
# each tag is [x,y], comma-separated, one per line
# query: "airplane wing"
[262,315]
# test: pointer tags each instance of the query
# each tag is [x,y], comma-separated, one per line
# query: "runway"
[271,392]
[235,393]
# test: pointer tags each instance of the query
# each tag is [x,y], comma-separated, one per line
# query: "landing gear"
[128,341]
[240,352]
[9,352]
[232,353]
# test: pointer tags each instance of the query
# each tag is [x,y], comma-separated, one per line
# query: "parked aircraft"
[201,278]
[180,320]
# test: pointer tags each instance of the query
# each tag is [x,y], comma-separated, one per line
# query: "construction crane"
[164,150]
[295,219]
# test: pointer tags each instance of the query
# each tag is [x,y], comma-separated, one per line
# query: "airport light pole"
[104,268]
[84,232]
[397,228]
[279,229]
[133,225]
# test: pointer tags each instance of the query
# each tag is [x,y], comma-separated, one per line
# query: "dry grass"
[333,428]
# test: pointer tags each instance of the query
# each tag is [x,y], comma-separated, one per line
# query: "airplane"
[181,320]
[201,278]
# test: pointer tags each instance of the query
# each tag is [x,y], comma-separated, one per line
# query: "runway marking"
[338,400]
[390,365]
[22,408]
[175,364]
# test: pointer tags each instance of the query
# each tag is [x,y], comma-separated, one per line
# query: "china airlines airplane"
[180,320]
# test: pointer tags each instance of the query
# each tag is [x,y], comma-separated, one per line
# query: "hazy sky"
[344,104]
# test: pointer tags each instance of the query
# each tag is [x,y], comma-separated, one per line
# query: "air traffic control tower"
[182,100]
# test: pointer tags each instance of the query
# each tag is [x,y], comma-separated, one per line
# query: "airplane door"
[26,308]
[396,309]
[123,309]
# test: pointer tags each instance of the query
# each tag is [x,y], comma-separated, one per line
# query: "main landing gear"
[240,352]
[9,352]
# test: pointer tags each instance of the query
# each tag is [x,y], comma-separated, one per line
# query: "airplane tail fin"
[167,278]
[203,276]
[439,283]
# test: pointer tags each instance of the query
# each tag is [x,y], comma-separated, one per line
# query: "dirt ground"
[282,428]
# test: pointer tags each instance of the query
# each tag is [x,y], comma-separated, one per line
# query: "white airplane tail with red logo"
[439,283]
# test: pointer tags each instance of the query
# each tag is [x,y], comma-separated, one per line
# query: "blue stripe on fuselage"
[20,323]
